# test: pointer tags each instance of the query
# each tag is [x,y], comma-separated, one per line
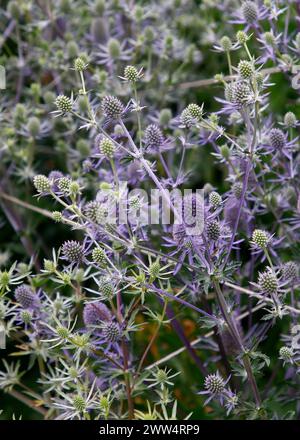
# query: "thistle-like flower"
[215,387]
[290,271]
[99,257]
[64,184]
[95,313]
[260,238]
[153,137]
[26,297]
[214,383]
[250,11]
[268,282]
[191,115]
[106,289]
[215,200]
[42,183]
[245,69]
[226,43]
[213,230]
[107,148]
[161,378]
[132,74]
[112,107]
[80,65]
[94,211]
[237,189]
[277,139]
[242,37]
[290,120]
[73,251]
[64,104]
[111,331]
[286,354]
[241,94]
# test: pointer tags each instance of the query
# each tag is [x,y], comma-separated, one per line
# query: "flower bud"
[131,74]
[245,69]
[95,313]
[250,12]
[260,238]
[107,148]
[64,104]
[99,257]
[290,119]
[79,64]
[41,183]
[268,282]
[277,138]
[73,251]
[215,200]
[213,230]
[226,43]
[25,296]
[112,107]
[214,383]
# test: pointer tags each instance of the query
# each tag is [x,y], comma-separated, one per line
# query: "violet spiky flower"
[73,251]
[196,111]
[260,238]
[132,74]
[268,282]
[91,210]
[214,383]
[277,139]
[191,115]
[250,11]
[153,136]
[241,94]
[237,189]
[213,230]
[95,313]
[26,296]
[112,107]
[215,200]
[111,331]
[290,271]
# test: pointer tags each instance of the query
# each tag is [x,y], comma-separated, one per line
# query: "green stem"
[229,62]
[235,334]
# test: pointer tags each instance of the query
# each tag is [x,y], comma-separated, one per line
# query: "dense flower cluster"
[160,97]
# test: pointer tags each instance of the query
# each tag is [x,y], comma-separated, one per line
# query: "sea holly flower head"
[64,104]
[112,107]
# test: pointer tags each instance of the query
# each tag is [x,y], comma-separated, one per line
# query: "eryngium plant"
[133,320]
